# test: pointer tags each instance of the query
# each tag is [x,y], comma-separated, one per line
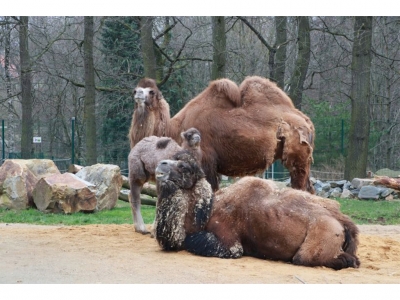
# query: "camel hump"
[260,89]
[228,89]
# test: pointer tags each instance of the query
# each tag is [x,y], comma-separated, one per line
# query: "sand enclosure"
[117,254]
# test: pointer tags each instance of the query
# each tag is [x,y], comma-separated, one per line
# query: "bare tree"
[148,53]
[219,45]
[302,61]
[280,46]
[26,89]
[90,100]
[356,160]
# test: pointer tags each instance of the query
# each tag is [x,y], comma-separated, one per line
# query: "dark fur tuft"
[202,213]
[187,157]
[206,244]
[163,143]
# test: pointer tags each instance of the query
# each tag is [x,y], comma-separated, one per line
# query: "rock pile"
[358,188]
[38,183]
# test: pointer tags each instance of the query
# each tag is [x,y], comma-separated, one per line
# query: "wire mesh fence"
[330,148]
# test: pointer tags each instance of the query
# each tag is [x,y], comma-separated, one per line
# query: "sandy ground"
[117,254]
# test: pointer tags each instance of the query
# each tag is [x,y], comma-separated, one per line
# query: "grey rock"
[360,182]
[336,192]
[347,194]
[370,192]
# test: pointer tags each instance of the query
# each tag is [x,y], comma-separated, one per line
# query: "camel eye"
[151,92]
[183,167]
[134,92]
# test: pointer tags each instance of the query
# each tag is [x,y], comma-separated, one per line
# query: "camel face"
[163,169]
[177,172]
[143,97]
[193,138]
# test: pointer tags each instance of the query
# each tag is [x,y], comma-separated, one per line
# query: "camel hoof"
[142,231]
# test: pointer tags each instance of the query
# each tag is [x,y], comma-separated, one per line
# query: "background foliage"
[184,51]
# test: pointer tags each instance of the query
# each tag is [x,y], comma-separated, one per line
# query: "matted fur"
[154,119]
[245,129]
[252,217]
[181,211]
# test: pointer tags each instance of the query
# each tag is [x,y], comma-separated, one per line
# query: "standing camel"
[143,159]
[243,129]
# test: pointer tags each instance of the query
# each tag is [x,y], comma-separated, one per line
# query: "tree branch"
[263,41]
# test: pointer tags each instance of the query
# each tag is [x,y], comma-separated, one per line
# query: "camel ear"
[182,135]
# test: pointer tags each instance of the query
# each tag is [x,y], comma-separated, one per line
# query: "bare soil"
[117,254]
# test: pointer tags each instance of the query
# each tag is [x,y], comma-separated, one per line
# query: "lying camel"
[142,162]
[250,217]
[244,129]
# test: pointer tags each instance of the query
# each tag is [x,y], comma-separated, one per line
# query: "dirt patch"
[117,254]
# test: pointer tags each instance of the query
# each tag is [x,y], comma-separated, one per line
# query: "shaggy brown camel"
[243,129]
[142,162]
[251,217]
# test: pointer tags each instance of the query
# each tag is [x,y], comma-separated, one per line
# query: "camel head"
[146,94]
[182,171]
[193,138]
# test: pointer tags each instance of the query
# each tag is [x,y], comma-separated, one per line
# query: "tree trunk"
[219,46]
[302,61]
[356,160]
[280,46]
[26,90]
[148,52]
[7,50]
[90,101]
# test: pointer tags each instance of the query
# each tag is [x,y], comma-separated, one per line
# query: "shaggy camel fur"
[251,217]
[244,129]
[142,162]
[151,112]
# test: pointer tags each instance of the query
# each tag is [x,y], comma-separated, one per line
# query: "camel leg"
[206,243]
[297,157]
[323,246]
[135,202]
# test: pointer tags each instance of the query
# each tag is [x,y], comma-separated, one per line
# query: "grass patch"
[360,211]
[120,214]
[371,212]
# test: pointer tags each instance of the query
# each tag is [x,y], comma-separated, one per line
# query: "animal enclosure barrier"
[60,144]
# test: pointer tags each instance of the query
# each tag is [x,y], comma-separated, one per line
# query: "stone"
[74,168]
[18,178]
[125,182]
[370,192]
[326,186]
[108,181]
[386,192]
[338,183]
[346,194]
[64,193]
[389,197]
[336,192]
[360,182]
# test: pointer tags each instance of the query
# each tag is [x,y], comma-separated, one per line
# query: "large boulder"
[64,193]
[108,181]
[18,178]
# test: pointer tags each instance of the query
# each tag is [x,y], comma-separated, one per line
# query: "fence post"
[342,137]
[73,140]
[3,140]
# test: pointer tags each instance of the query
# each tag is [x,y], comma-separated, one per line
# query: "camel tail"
[228,88]
[206,244]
